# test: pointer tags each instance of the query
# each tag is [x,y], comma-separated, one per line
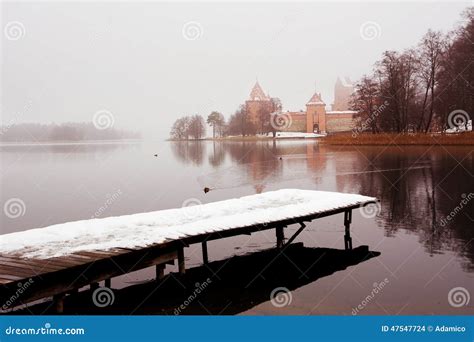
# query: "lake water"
[423,254]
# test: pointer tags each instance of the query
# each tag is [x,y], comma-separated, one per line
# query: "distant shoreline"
[251,138]
[269,137]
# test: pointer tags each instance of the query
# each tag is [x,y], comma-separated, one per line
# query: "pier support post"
[181,264]
[108,282]
[347,225]
[94,286]
[280,236]
[58,302]
[160,271]
[205,257]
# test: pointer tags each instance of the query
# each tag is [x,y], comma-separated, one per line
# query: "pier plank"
[5,281]
[15,263]
[17,271]
[40,265]
[12,277]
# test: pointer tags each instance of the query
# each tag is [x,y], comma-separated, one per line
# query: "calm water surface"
[421,257]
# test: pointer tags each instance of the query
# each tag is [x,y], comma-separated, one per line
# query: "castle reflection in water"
[406,180]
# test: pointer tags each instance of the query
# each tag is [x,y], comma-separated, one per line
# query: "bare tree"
[241,124]
[456,77]
[396,74]
[366,100]
[265,113]
[420,87]
[180,128]
[431,50]
[216,121]
[197,127]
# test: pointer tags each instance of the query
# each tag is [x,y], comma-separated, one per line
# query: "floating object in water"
[269,172]
[206,190]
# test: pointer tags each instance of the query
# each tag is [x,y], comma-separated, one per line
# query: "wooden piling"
[181,264]
[160,271]
[280,236]
[58,303]
[205,258]
[347,225]
[108,282]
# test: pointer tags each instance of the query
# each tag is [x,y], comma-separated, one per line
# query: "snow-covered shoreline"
[144,229]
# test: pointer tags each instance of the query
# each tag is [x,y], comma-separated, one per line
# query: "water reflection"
[87,148]
[423,252]
[226,287]
[419,187]
[189,151]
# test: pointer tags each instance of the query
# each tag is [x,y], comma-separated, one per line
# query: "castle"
[316,118]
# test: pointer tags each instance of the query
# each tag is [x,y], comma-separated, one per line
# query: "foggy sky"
[133,60]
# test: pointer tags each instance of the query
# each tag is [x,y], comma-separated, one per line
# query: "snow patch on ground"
[467,127]
[144,229]
[287,135]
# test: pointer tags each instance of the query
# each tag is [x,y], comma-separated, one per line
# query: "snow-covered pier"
[59,260]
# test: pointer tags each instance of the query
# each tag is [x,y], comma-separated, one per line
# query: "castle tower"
[257,101]
[343,90]
[316,114]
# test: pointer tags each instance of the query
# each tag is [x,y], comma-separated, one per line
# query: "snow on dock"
[158,227]
[59,260]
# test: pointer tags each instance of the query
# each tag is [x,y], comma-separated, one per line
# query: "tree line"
[416,90]
[240,123]
[34,132]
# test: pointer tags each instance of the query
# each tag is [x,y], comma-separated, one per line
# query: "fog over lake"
[148,63]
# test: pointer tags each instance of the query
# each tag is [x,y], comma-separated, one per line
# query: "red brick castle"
[316,118]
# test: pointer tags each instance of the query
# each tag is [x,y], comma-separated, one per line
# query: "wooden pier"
[24,280]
